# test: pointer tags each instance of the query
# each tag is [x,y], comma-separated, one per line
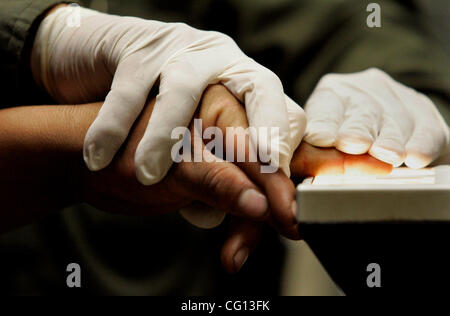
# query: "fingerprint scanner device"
[400,221]
[405,194]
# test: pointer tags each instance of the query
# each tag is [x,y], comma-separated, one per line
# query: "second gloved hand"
[370,112]
[121,58]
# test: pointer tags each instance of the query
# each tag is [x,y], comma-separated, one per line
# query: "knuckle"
[329,79]
[335,78]
[298,115]
[376,74]
[214,179]
[183,27]
[226,39]
[181,82]
[222,183]
[127,94]
[374,71]
[268,78]
[228,103]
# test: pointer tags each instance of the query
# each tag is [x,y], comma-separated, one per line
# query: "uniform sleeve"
[19,20]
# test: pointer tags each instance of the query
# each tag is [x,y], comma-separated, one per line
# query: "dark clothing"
[300,41]
[19,21]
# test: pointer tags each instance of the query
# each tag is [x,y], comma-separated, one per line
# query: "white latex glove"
[370,112]
[122,58]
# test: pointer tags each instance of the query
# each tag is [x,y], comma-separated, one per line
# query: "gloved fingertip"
[353,145]
[147,177]
[286,170]
[320,139]
[95,157]
[390,156]
[150,168]
[416,160]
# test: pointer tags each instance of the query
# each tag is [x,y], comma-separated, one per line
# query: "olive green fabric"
[18,21]
[300,41]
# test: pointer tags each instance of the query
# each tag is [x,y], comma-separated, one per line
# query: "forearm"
[41,159]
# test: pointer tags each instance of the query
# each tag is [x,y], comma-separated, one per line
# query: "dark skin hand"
[42,170]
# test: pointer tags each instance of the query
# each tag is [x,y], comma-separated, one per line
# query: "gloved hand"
[370,112]
[121,58]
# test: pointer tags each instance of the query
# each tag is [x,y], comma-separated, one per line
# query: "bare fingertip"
[240,258]
[253,203]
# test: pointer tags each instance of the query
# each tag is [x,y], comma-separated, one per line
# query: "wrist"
[41,160]
[76,121]
[35,55]
[58,46]
[53,9]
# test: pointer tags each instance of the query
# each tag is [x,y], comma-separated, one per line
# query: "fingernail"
[240,258]
[294,210]
[253,203]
